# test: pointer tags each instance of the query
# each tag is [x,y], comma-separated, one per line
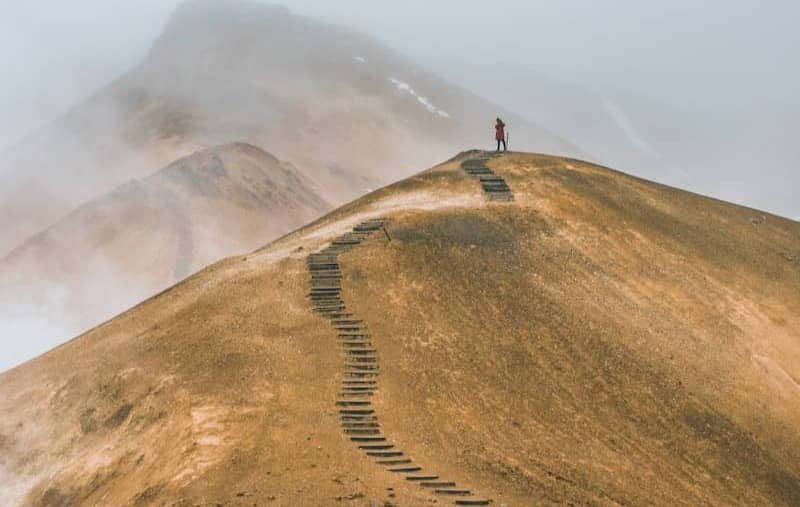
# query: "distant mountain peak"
[348,111]
[200,18]
[229,9]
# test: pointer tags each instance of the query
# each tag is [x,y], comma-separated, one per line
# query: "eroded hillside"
[597,340]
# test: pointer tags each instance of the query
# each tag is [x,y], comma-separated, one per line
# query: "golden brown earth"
[602,340]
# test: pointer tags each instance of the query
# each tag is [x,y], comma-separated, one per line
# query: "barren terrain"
[600,340]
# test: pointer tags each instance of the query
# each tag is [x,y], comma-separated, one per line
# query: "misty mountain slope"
[601,340]
[348,111]
[144,236]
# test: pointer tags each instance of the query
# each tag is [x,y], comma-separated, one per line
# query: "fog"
[720,55]
[698,94]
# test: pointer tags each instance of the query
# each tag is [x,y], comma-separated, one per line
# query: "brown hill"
[349,112]
[144,236]
[598,340]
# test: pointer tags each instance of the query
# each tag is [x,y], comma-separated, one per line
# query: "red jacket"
[500,131]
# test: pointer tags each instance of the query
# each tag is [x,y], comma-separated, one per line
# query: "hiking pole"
[508,136]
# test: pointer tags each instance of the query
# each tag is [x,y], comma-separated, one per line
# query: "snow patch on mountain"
[405,87]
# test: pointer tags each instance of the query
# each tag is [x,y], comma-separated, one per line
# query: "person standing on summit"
[500,134]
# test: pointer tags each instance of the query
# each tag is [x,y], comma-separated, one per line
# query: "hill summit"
[517,329]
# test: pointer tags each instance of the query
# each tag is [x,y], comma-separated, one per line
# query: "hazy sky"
[712,54]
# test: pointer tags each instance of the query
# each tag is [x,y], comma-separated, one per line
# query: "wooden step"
[473,501]
[421,478]
[405,469]
[368,438]
[392,462]
[452,491]
[384,453]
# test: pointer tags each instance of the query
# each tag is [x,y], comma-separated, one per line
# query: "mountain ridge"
[599,339]
[147,234]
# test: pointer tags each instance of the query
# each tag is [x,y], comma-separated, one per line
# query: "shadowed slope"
[600,339]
